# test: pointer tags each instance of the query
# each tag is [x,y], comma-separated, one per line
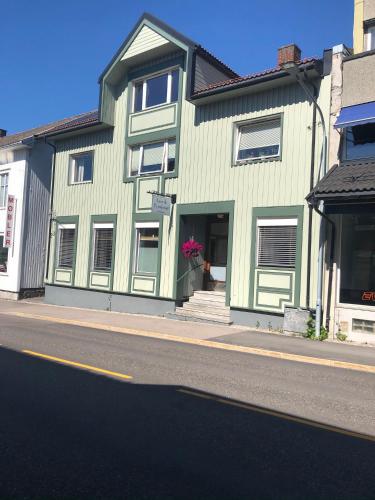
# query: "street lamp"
[292,68]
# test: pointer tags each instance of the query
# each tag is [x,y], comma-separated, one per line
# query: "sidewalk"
[157,326]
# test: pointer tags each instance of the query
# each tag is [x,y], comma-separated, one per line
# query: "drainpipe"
[50,206]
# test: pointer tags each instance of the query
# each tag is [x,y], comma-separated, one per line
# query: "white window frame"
[137,226]
[5,173]
[272,222]
[248,123]
[369,36]
[59,228]
[72,167]
[101,225]
[144,89]
[164,164]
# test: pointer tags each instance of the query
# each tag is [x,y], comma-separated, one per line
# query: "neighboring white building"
[25,174]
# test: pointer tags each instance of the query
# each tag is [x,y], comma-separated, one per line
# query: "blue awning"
[356,115]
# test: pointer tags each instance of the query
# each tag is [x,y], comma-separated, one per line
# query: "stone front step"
[206,308]
[201,315]
[214,298]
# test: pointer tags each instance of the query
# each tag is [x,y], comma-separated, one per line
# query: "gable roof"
[168,30]
[43,130]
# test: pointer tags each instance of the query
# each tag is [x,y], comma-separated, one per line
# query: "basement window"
[151,158]
[156,90]
[103,247]
[258,140]
[277,242]
[66,246]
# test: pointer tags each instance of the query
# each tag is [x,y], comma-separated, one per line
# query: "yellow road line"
[277,414]
[331,363]
[78,365]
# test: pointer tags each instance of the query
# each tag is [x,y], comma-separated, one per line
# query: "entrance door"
[216,252]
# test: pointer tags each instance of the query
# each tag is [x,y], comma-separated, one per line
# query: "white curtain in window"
[260,134]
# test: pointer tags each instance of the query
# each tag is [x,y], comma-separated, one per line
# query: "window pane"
[171,155]
[3,189]
[358,260]
[277,246]
[66,248]
[174,90]
[152,157]
[134,160]
[360,141]
[138,93]
[3,256]
[259,140]
[156,90]
[147,251]
[82,168]
[103,249]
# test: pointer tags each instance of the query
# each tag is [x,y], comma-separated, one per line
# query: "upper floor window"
[152,158]
[360,141]
[258,140]
[81,167]
[370,37]
[156,90]
[4,178]
[277,242]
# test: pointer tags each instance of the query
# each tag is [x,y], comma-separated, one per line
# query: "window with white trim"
[259,139]
[370,37]
[277,242]
[103,246]
[156,90]
[3,256]
[81,167]
[66,246]
[4,179]
[150,158]
[146,247]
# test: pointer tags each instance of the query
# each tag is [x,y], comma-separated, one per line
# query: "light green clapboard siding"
[205,174]
[147,39]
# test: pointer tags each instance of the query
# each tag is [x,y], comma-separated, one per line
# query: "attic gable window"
[258,140]
[156,90]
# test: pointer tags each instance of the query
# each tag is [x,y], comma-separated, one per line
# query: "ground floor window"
[3,256]
[277,242]
[357,276]
[147,247]
[103,246]
[66,245]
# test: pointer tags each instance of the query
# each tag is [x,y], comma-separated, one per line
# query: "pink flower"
[191,248]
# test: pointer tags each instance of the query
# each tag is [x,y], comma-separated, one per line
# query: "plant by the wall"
[310,330]
[341,336]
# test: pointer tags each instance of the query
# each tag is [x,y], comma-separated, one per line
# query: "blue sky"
[53,52]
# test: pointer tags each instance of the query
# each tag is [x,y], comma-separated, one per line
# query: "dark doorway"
[216,254]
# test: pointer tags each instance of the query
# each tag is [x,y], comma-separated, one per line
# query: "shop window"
[156,90]
[103,246]
[4,178]
[258,140]
[147,247]
[276,242]
[81,168]
[66,243]
[3,256]
[357,272]
[150,158]
[360,141]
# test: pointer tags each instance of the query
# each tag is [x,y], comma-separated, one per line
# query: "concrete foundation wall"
[257,319]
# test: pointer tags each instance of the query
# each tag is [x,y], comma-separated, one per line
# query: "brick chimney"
[288,53]
[3,132]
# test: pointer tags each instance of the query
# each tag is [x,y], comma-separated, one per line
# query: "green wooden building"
[229,159]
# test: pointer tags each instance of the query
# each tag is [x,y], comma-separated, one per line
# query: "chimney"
[3,132]
[288,53]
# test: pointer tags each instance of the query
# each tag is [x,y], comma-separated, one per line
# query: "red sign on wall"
[9,223]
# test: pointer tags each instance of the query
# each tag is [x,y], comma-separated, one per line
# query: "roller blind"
[259,139]
[66,248]
[277,246]
[103,249]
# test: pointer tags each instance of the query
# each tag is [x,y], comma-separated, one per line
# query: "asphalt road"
[69,433]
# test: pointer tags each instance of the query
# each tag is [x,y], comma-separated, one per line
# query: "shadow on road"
[66,433]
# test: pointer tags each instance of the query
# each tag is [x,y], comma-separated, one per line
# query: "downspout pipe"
[50,214]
